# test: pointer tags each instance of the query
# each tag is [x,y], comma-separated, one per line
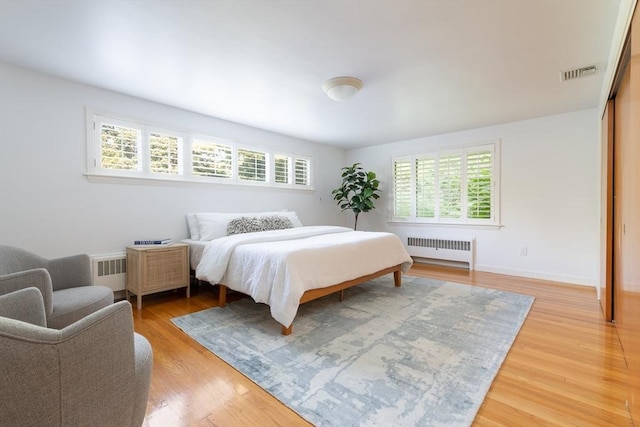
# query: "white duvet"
[277,267]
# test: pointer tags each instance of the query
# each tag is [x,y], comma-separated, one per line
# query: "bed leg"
[222,295]
[287,330]
[341,295]
[397,278]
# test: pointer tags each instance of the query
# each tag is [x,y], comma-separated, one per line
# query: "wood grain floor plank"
[566,366]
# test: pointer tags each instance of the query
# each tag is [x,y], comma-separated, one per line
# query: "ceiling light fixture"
[342,88]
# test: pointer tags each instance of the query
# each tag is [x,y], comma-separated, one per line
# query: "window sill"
[180,182]
[446,225]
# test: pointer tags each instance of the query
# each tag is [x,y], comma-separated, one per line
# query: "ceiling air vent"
[578,72]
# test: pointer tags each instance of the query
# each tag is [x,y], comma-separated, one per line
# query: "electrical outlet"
[523,251]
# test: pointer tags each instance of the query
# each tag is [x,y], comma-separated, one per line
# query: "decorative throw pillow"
[244,224]
[275,222]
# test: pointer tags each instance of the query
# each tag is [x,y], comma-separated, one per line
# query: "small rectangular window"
[165,153]
[302,172]
[281,166]
[211,159]
[252,165]
[120,147]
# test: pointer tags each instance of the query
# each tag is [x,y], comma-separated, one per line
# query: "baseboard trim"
[582,281]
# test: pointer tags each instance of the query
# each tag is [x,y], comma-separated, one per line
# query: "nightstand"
[152,269]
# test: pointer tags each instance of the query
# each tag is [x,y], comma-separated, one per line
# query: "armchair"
[65,284]
[94,372]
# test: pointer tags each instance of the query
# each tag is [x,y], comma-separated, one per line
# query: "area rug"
[424,354]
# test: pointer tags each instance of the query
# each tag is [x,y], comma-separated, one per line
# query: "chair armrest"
[38,278]
[144,365]
[101,374]
[25,305]
[89,368]
[70,272]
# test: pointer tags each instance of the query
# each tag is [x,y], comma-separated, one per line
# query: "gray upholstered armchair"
[65,284]
[94,372]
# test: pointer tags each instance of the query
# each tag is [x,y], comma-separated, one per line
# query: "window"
[479,184]
[425,188]
[124,148]
[281,173]
[302,171]
[291,170]
[252,165]
[131,149]
[210,158]
[450,187]
[402,184]
[120,145]
[165,153]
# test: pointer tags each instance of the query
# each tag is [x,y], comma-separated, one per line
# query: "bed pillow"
[275,222]
[213,225]
[244,224]
[293,217]
[192,223]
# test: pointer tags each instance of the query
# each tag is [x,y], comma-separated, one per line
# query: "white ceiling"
[428,67]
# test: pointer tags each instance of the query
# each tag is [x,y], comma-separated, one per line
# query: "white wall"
[549,182]
[549,200]
[48,206]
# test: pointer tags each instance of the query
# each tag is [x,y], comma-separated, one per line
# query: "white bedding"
[196,247]
[277,267]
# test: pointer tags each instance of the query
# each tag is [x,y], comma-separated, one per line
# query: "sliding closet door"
[626,218]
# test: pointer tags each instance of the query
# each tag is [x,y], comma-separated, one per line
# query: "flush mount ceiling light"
[342,88]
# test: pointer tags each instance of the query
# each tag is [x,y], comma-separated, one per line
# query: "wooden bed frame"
[312,294]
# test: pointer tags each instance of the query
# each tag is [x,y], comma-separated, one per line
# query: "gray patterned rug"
[424,354]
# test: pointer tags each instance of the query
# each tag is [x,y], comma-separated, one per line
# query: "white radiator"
[109,270]
[443,249]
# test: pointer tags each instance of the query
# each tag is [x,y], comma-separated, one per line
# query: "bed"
[284,268]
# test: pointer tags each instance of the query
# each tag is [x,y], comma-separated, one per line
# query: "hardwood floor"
[566,367]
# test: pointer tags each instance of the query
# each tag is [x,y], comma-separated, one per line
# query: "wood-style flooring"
[566,367]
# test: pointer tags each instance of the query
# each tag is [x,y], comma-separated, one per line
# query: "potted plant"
[358,191]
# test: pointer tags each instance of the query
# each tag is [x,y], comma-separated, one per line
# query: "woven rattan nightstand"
[152,269]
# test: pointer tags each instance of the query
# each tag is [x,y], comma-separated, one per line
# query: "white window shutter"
[402,184]
[450,186]
[252,165]
[302,171]
[426,187]
[480,184]
[165,153]
[281,169]
[211,159]
[120,147]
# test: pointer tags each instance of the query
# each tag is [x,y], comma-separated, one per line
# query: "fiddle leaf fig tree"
[358,191]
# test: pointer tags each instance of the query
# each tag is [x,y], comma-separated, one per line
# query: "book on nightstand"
[151,242]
